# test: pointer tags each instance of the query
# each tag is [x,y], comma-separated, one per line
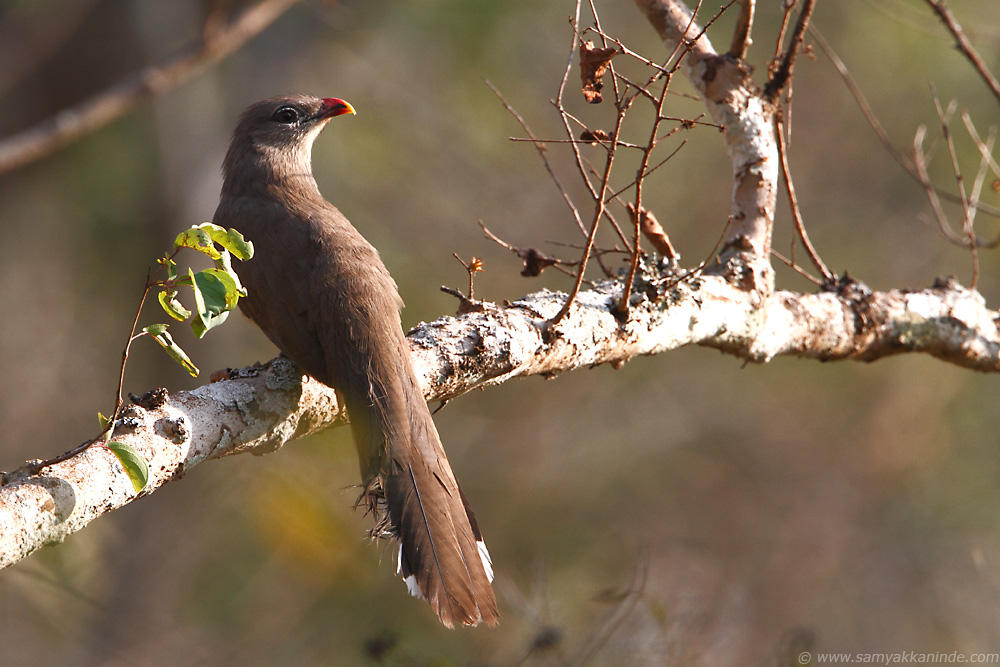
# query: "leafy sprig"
[216,291]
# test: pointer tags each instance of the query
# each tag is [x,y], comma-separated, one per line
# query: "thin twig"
[744,25]
[474,266]
[782,76]
[533,259]
[41,465]
[933,197]
[653,168]
[599,206]
[901,159]
[985,152]
[565,116]
[789,6]
[604,43]
[965,46]
[798,269]
[542,151]
[622,307]
[793,202]
[585,142]
[984,168]
[558,102]
[970,235]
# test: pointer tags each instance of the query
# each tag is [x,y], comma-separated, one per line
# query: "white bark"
[263,407]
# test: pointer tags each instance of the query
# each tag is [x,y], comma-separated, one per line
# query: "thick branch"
[263,407]
[736,104]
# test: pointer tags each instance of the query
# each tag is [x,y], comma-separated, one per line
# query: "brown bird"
[320,292]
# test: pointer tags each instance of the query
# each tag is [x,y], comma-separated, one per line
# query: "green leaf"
[199,239]
[205,236]
[225,264]
[230,284]
[173,307]
[234,242]
[135,467]
[210,296]
[230,239]
[162,336]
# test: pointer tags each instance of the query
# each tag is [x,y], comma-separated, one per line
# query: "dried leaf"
[653,231]
[594,136]
[594,63]
[535,261]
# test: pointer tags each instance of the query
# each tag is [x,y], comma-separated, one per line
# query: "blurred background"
[686,509]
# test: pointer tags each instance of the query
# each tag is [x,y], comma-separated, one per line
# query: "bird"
[320,292]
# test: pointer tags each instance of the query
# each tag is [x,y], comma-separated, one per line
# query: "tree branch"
[262,407]
[965,46]
[734,103]
[97,111]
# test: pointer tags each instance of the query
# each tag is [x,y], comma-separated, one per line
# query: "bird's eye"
[287,115]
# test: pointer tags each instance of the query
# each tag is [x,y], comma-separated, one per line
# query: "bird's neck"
[262,170]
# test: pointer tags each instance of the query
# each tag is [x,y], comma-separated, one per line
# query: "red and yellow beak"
[333,107]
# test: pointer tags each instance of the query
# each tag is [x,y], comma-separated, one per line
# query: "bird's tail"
[442,557]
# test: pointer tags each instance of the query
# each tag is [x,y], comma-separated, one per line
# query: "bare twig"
[793,202]
[744,26]
[984,168]
[535,261]
[789,6]
[968,238]
[622,308]
[575,23]
[901,158]
[985,151]
[474,266]
[964,45]
[798,269]
[604,41]
[627,602]
[861,100]
[920,164]
[542,151]
[970,204]
[97,111]
[566,117]
[589,140]
[35,467]
[782,76]
[986,163]
[970,235]
[656,166]
[599,206]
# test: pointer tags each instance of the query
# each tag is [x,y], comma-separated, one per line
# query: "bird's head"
[276,135]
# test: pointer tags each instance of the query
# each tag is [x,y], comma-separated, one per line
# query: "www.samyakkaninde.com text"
[901,657]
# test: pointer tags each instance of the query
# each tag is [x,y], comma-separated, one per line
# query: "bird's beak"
[333,107]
